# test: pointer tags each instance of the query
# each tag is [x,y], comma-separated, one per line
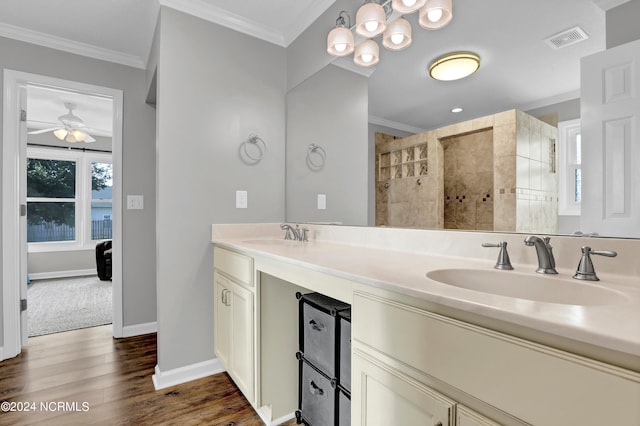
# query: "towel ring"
[320,153]
[259,144]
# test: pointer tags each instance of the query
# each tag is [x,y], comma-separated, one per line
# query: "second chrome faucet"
[546,261]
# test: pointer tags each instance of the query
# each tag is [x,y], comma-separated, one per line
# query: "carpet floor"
[68,304]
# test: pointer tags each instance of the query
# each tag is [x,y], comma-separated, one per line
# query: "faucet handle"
[503,261]
[585,270]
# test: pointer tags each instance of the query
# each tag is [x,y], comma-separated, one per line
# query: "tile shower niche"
[403,163]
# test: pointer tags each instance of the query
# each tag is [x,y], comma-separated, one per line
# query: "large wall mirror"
[522,68]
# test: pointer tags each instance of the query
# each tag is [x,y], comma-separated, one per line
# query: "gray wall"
[622,24]
[215,86]
[329,109]
[138,159]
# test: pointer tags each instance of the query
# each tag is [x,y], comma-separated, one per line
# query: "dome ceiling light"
[373,19]
[454,66]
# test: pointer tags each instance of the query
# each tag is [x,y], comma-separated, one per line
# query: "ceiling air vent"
[566,38]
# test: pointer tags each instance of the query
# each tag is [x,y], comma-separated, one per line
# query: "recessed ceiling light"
[456,109]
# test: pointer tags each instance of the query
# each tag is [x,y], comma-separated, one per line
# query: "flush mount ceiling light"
[456,110]
[454,66]
[375,17]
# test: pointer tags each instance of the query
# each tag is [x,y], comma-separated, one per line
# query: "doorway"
[14,207]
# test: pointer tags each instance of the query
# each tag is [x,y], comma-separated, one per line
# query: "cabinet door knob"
[315,326]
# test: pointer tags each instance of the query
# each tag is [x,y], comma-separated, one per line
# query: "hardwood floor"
[86,377]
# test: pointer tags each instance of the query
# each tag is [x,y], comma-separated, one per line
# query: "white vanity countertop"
[616,327]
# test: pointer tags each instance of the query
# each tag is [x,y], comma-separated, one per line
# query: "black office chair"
[103,260]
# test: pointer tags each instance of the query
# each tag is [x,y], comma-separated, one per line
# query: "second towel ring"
[319,151]
[260,145]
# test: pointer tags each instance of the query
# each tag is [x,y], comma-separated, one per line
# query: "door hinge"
[23,209]
[23,305]
[23,115]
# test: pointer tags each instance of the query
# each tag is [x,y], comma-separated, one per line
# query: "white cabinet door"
[242,351]
[467,417]
[382,396]
[222,319]
[610,120]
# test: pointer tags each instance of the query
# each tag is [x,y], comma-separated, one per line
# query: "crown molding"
[347,64]
[211,13]
[609,4]
[70,46]
[563,97]
[394,125]
[227,19]
[304,21]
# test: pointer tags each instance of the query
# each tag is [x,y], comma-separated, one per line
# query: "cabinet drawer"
[468,417]
[511,374]
[237,266]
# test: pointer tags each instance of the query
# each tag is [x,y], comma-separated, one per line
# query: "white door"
[610,115]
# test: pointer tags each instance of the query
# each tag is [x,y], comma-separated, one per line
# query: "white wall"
[138,165]
[215,86]
[329,109]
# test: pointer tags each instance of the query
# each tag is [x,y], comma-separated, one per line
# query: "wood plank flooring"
[99,380]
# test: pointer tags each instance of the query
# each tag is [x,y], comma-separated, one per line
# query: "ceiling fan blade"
[37,132]
[88,139]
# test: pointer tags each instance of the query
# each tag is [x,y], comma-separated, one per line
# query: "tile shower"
[491,173]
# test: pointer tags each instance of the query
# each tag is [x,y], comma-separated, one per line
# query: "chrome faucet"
[546,262]
[296,234]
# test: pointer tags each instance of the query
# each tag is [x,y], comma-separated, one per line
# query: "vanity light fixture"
[340,39]
[367,53]
[407,6]
[397,36]
[454,66]
[435,14]
[371,21]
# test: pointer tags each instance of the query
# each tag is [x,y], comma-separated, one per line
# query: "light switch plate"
[241,199]
[322,201]
[135,202]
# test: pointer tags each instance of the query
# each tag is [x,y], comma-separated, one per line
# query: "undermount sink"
[540,288]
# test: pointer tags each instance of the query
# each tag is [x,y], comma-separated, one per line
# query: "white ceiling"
[518,68]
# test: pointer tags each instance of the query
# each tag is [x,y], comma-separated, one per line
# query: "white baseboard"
[165,379]
[1,353]
[61,274]
[138,329]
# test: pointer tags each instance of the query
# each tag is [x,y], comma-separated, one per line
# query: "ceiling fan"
[72,128]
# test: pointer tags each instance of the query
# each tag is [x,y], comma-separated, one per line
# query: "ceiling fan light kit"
[375,17]
[72,128]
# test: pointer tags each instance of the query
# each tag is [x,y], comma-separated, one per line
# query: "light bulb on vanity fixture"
[340,39]
[435,14]
[375,17]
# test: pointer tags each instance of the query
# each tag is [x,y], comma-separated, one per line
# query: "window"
[69,203]
[570,162]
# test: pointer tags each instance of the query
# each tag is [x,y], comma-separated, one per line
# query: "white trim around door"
[11,257]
